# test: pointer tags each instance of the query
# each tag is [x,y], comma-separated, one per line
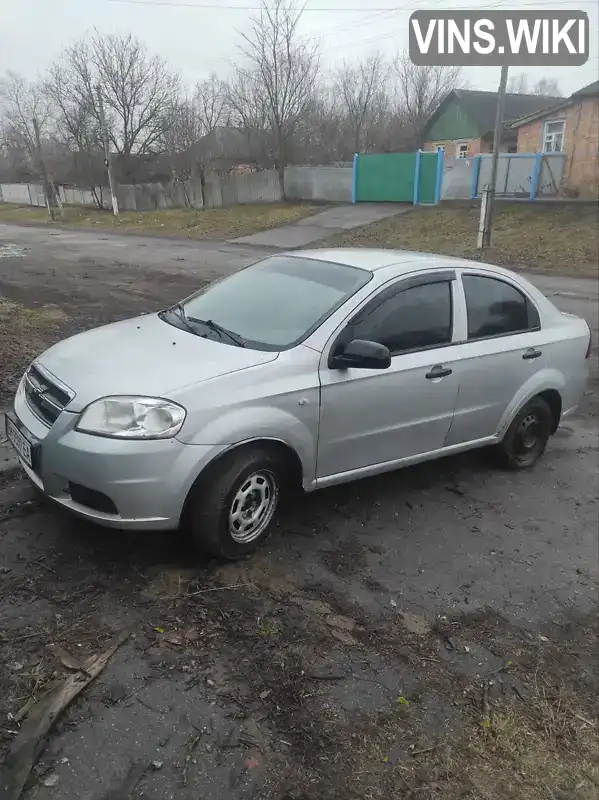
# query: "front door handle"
[438,372]
[530,354]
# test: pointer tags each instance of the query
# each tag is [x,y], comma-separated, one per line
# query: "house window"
[462,150]
[513,148]
[553,136]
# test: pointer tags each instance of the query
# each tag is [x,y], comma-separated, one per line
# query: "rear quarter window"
[496,308]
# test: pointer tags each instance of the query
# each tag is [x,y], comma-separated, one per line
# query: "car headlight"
[132,418]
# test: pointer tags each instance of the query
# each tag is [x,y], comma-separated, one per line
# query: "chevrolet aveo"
[303,370]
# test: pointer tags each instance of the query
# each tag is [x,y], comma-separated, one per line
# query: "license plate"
[18,441]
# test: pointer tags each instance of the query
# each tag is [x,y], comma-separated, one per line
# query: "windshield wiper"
[210,323]
[179,312]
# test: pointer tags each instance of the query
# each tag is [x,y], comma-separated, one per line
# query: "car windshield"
[275,303]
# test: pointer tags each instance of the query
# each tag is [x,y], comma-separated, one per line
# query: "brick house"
[465,121]
[570,127]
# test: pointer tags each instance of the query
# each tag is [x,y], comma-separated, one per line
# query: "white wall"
[319,183]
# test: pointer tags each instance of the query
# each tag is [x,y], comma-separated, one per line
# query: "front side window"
[413,319]
[495,308]
[553,138]
[274,304]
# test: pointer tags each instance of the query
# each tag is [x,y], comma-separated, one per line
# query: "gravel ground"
[426,634]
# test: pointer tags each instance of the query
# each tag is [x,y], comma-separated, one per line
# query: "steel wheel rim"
[253,507]
[527,439]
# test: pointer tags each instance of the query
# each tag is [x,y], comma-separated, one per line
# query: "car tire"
[233,508]
[527,437]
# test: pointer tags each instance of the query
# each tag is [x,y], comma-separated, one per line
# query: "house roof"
[224,143]
[592,90]
[587,91]
[481,107]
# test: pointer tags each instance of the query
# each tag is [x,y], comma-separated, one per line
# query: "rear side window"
[413,319]
[496,308]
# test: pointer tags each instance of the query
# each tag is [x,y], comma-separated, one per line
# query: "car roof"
[397,261]
[373,259]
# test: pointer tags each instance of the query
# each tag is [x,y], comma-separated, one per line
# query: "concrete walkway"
[323,225]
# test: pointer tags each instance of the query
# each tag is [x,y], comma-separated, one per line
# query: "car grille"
[44,397]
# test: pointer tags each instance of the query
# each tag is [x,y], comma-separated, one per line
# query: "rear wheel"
[233,509]
[527,437]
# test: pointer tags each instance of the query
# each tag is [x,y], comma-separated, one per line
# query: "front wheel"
[527,437]
[232,510]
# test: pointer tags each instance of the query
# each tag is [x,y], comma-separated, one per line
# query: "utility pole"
[48,191]
[107,161]
[488,198]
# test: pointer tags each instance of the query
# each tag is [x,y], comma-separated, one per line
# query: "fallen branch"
[30,740]
[220,589]
[422,752]
[580,718]
[148,706]
[486,721]
[189,750]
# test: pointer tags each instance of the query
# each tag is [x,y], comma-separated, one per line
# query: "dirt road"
[350,656]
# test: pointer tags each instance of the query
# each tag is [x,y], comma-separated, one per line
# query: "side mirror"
[362,354]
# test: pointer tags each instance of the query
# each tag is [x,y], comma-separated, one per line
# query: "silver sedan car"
[303,370]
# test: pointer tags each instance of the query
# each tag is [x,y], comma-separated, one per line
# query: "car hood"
[143,356]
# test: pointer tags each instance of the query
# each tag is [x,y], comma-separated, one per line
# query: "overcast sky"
[198,40]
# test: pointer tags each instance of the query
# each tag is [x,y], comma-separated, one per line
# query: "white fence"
[72,196]
[457,178]
[27,194]
[319,183]
[327,184]
[249,187]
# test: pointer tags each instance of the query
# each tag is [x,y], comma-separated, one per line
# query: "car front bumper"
[117,483]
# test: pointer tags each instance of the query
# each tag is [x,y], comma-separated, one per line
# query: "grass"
[24,333]
[542,748]
[550,238]
[211,223]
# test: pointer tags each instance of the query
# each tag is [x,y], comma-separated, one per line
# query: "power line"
[377,16]
[352,9]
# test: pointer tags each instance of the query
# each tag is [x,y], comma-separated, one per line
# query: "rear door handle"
[438,372]
[530,354]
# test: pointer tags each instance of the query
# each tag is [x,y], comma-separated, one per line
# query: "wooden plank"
[30,741]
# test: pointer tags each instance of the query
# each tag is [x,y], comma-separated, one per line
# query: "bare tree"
[360,90]
[69,88]
[322,137]
[247,110]
[280,72]
[420,90]
[139,93]
[138,89]
[20,101]
[210,100]
[548,87]
[520,84]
